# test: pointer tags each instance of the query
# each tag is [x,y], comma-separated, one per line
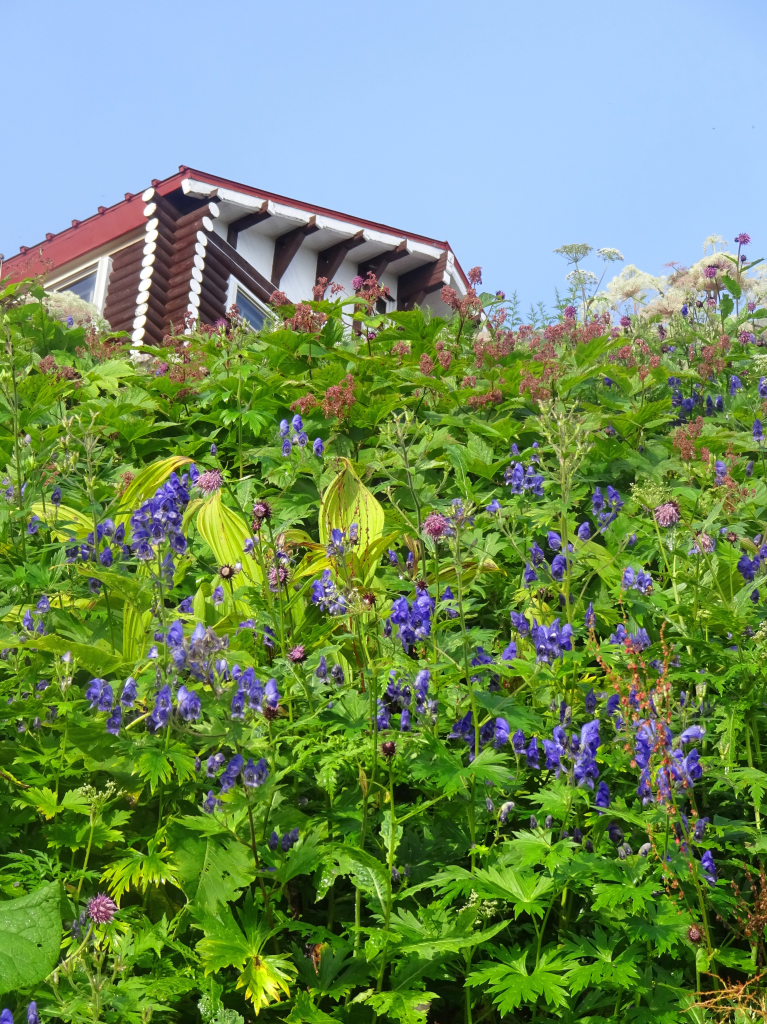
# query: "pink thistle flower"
[101,909]
[710,272]
[625,321]
[210,482]
[569,312]
[298,653]
[357,283]
[751,307]
[743,238]
[435,525]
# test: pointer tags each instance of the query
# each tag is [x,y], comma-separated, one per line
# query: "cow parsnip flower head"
[610,255]
[574,253]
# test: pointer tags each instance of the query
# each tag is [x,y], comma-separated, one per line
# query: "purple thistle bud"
[101,909]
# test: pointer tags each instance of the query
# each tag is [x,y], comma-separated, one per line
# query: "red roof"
[114,221]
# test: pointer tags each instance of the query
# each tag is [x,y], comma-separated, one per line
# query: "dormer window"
[84,286]
[250,310]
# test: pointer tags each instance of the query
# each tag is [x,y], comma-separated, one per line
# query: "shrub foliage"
[391,668]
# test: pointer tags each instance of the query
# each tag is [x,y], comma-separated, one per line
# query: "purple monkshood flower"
[735,384]
[318,447]
[255,774]
[100,694]
[520,623]
[602,798]
[709,868]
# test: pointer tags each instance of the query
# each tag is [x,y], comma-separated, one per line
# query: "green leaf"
[225,533]
[410,1007]
[367,872]
[303,859]
[211,871]
[305,1012]
[65,522]
[30,938]
[511,985]
[346,501]
[726,305]
[145,483]
[732,286]
[94,659]
[154,765]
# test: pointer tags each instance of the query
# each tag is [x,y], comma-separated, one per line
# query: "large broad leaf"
[30,938]
[211,870]
[145,483]
[94,659]
[127,587]
[348,501]
[225,534]
[65,522]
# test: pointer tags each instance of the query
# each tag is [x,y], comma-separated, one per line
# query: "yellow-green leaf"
[348,501]
[145,483]
[78,524]
[225,533]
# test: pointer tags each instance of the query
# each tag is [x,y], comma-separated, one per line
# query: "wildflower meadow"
[389,666]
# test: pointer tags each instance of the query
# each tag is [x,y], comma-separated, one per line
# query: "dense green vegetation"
[410,671]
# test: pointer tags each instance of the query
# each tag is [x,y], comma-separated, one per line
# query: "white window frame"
[103,268]
[231,297]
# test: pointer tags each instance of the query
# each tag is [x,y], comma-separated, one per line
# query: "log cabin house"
[196,243]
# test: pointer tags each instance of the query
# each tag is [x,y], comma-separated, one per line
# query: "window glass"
[85,287]
[250,311]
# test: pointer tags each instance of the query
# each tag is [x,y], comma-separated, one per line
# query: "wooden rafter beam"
[231,261]
[330,259]
[247,222]
[415,285]
[286,246]
[379,263]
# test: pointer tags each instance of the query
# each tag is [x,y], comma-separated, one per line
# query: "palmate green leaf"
[606,969]
[524,889]
[511,985]
[410,1007]
[139,870]
[30,938]
[663,927]
[610,895]
[337,972]
[305,1012]
[226,944]
[211,871]
[303,859]
[533,849]
[43,800]
[153,764]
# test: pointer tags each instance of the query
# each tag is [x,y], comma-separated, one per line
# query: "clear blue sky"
[507,127]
